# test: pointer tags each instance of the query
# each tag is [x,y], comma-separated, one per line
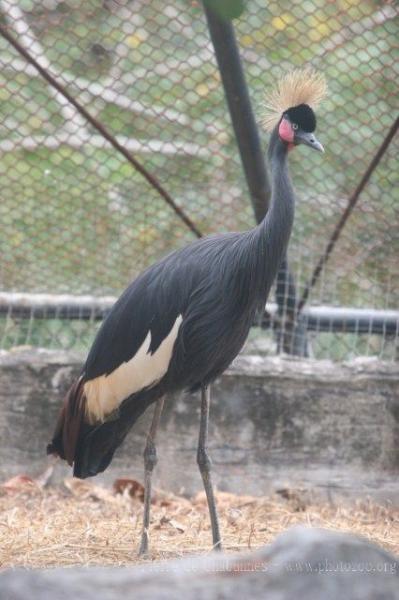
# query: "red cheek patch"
[285,131]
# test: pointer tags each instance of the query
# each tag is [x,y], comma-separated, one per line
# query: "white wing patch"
[105,393]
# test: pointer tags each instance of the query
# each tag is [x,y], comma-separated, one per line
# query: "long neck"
[262,249]
[270,238]
[275,228]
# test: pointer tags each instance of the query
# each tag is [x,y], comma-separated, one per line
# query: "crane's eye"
[294,126]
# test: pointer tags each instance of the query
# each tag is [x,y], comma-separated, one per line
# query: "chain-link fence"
[77,218]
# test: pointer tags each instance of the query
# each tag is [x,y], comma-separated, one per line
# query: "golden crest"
[300,86]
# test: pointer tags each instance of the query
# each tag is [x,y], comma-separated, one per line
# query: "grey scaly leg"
[204,464]
[150,460]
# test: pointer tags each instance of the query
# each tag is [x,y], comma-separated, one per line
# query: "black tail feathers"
[97,446]
[96,450]
[90,448]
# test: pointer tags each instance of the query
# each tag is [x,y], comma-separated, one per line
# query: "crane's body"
[179,325]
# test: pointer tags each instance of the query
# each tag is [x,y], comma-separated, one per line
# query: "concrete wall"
[275,422]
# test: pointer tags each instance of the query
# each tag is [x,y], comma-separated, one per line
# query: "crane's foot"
[143,549]
[206,478]
[150,460]
[204,465]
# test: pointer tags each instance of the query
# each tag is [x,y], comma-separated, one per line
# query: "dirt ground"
[80,523]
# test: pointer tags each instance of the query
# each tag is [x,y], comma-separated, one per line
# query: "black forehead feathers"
[303,116]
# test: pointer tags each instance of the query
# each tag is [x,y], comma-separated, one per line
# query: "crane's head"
[289,107]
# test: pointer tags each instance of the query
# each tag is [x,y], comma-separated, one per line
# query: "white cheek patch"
[105,393]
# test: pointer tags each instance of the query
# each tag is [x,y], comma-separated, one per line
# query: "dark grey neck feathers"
[258,253]
[276,226]
[266,244]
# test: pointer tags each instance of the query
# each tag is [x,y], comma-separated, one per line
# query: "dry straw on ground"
[83,524]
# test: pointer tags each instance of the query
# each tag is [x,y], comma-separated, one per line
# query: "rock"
[304,563]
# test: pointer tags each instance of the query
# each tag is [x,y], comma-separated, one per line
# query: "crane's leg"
[204,464]
[150,460]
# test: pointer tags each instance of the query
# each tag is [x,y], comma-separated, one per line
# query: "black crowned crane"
[183,320]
